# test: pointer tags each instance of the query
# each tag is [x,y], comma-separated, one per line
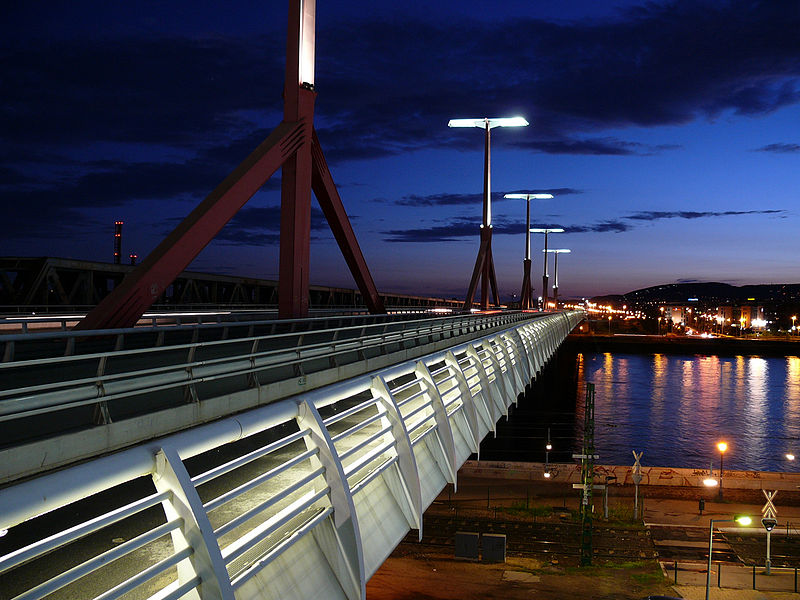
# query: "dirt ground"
[417,572]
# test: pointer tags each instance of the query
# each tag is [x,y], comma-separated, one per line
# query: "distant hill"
[712,291]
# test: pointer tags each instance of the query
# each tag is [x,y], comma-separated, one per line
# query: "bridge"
[271,459]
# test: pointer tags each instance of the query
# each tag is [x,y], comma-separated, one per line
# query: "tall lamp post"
[525,297]
[545,275]
[556,251]
[722,447]
[484,264]
[741,520]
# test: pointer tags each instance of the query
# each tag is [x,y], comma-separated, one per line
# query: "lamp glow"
[743,520]
[490,123]
[710,482]
[529,196]
[789,456]
[722,446]
[547,474]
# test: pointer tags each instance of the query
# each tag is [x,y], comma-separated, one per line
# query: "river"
[673,408]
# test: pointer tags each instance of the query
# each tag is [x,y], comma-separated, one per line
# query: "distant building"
[742,317]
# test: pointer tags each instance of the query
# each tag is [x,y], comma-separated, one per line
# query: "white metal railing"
[303,498]
[76,389]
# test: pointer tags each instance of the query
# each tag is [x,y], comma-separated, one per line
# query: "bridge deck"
[303,497]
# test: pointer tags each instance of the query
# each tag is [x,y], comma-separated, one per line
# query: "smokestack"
[117,242]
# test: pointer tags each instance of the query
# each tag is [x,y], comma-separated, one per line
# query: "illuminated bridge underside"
[304,498]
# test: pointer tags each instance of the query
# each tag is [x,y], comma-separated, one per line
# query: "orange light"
[722,446]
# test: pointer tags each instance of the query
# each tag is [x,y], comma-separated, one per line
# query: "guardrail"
[149,385]
[303,498]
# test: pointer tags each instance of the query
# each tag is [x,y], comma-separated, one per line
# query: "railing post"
[196,532]
[445,431]
[347,544]
[407,463]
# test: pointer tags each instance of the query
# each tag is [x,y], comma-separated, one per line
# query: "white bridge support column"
[338,477]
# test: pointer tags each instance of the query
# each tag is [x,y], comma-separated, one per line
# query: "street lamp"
[545,276]
[741,520]
[525,298]
[556,251]
[722,447]
[484,264]
[794,318]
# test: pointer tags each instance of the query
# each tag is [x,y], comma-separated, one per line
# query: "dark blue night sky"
[669,133]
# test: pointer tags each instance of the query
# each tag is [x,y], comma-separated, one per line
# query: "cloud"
[596,146]
[688,214]
[261,225]
[472,199]
[461,228]
[454,230]
[780,148]
[389,87]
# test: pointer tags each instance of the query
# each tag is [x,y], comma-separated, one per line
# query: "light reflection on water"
[676,408]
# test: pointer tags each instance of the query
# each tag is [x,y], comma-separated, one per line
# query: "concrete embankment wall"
[657,482]
[657,344]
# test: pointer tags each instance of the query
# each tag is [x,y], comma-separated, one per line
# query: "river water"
[673,408]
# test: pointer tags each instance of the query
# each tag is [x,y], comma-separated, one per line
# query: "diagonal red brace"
[331,204]
[142,287]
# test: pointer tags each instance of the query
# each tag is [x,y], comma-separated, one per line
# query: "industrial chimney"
[117,242]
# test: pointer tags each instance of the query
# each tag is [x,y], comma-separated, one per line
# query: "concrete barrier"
[668,477]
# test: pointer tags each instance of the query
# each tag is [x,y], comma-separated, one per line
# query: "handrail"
[254,513]
[43,398]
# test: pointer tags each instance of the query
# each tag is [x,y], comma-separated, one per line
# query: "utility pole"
[587,457]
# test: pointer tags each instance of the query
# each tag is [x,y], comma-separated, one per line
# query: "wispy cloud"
[470,199]
[656,215]
[780,148]
[463,228]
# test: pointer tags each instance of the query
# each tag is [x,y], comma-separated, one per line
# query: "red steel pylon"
[292,145]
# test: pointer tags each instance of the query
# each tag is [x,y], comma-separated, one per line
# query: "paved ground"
[540,566]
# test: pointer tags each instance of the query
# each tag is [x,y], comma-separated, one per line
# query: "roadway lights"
[722,447]
[545,275]
[525,297]
[789,456]
[557,251]
[484,264]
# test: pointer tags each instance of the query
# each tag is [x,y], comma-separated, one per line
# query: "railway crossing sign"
[637,468]
[769,511]
[769,521]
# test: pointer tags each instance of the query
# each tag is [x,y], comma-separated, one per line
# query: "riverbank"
[660,344]
[657,482]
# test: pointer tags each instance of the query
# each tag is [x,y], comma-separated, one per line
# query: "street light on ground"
[484,264]
[545,275]
[525,298]
[741,520]
[556,251]
[722,447]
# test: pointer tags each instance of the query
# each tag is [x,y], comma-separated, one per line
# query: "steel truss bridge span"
[302,498]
